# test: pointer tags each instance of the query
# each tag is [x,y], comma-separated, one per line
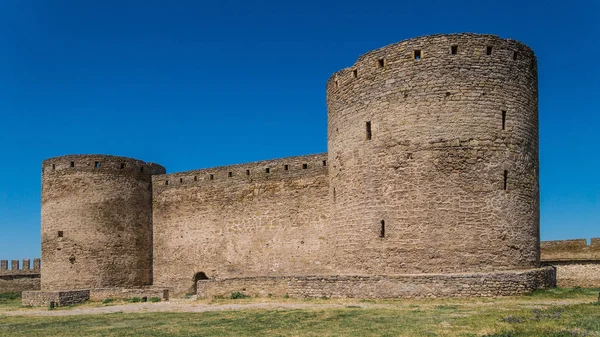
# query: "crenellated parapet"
[27,268]
[570,250]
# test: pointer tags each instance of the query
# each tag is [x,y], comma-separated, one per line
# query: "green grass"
[554,313]
[10,300]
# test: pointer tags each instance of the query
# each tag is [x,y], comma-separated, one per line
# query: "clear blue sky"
[195,84]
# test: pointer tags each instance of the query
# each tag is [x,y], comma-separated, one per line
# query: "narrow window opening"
[515,55]
[380,63]
[417,54]
[195,178]
[337,84]
[268,170]
[247,172]
[72,164]
[286,167]
[166,182]
[382,229]
[53,166]
[97,164]
[505,179]
[211,176]
[142,169]
[122,166]
[324,162]
[503,119]
[368,127]
[181,180]
[304,166]
[454,50]
[488,50]
[355,73]
[334,196]
[230,174]
[60,234]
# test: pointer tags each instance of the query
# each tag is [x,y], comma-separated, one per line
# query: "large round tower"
[433,155]
[96,222]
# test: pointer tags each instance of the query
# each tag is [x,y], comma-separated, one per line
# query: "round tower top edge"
[100,163]
[455,46]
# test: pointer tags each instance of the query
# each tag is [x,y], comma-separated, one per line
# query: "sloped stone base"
[504,283]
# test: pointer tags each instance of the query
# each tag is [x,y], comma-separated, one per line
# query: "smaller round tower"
[96,222]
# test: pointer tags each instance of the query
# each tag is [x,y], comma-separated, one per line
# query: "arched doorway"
[198,277]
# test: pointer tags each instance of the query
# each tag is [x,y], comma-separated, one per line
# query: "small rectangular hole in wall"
[515,55]
[181,180]
[247,172]
[195,178]
[488,50]
[368,130]
[503,119]
[454,50]
[53,166]
[382,229]
[166,182]
[97,164]
[304,166]
[60,234]
[337,84]
[324,162]
[142,169]
[380,63]
[267,170]
[505,179]
[334,196]
[72,164]
[211,176]
[417,54]
[230,174]
[355,73]
[286,167]
[122,166]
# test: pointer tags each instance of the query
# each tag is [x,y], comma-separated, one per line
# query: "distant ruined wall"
[263,218]
[433,157]
[577,263]
[96,222]
[19,278]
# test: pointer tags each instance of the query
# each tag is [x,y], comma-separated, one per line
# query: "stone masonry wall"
[60,297]
[96,222]
[401,286]
[255,219]
[433,157]
[19,278]
[577,263]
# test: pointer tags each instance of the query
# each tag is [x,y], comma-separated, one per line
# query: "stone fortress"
[429,188]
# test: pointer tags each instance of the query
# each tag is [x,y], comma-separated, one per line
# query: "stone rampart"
[577,263]
[255,219]
[19,278]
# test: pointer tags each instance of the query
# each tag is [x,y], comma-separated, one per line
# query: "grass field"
[554,313]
